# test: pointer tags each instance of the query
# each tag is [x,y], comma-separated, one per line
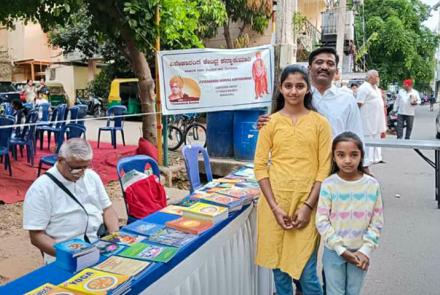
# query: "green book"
[149,252]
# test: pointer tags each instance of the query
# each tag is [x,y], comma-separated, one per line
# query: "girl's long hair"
[293,69]
[348,136]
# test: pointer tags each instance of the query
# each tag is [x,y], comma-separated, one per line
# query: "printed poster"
[206,80]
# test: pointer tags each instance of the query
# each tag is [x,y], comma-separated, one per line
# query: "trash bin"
[133,106]
[246,133]
[220,134]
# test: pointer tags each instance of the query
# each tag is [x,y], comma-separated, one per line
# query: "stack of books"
[122,266]
[231,203]
[74,255]
[191,226]
[204,211]
[123,238]
[108,248]
[143,228]
[172,237]
[49,289]
[149,252]
[92,281]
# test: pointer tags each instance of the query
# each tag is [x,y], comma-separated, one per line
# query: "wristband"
[275,208]
[308,205]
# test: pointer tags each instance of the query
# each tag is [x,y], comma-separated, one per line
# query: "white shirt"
[372,109]
[340,109]
[403,104]
[47,207]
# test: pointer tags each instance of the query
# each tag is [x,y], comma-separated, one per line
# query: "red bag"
[145,197]
[146,148]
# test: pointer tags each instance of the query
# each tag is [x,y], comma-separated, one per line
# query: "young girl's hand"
[363,260]
[282,218]
[301,217]
[350,257]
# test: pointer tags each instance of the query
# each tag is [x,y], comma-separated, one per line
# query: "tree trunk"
[146,89]
[227,34]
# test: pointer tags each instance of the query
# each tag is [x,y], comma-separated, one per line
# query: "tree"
[404,48]
[250,13]
[128,26]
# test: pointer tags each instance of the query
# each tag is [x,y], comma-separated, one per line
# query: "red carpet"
[13,189]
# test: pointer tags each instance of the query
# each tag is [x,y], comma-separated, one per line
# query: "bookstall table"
[219,261]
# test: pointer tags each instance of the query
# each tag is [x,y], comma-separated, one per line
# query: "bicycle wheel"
[195,134]
[175,138]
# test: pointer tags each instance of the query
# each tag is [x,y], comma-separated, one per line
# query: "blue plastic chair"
[44,109]
[72,131]
[28,105]
[8,109]
[26,139]
[118,124]
[5,136]
[191,157]
[77,113]
[55,126]
[138,163]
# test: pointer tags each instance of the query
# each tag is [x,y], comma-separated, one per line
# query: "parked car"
[7,92]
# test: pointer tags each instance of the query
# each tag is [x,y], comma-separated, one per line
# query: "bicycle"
[185,129]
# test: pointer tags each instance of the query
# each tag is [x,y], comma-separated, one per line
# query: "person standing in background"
[405,106]
[29,91]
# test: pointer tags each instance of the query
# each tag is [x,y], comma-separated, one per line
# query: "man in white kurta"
[405,105]
[370,102]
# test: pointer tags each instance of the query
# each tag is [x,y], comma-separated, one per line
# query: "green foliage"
[239,11]
[404,47]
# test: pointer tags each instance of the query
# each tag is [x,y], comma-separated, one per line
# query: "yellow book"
[122,265]
[206,212]
[47,289]
[92,281]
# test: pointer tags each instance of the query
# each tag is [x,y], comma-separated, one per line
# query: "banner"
[206,80]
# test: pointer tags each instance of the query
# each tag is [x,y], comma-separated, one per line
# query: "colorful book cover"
[74,247]
[172,237]
[123,238]
[92,281]
[144,228]
[222,200]
[246,172]
[173,209]
[206,209]
[238,192]
[49,289]
[191,226]
[108,248]
[150,252]
[187,202]
[122,266]
[228,180]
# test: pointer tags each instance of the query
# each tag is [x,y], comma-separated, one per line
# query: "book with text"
[149,252]
[122,266]
[191,226]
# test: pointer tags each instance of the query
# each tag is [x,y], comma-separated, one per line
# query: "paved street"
[407,261]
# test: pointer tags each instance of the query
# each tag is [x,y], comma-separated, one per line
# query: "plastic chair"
[43,109]
[191,156]
[78,112]
[5,135]
[55,126]
[118,124]
[26,139]
[8,109]
[137,163]
[71,130]
[28,105]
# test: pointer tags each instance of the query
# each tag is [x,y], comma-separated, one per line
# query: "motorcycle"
[391,115]
[95,105]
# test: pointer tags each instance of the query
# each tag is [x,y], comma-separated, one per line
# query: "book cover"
[123,238]
[49,289]
[122,266]
[191,226]
[92,281]
[246,172]
[172,237]
[222,200]
[144,228]
[187,202]
[239,192]
[73,247]
[150,252]
[108,248]
[173,209]
[206,209]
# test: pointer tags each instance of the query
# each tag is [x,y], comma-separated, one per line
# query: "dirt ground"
[18,256]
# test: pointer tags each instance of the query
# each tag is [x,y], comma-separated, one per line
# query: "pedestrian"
[405,106]
[349,217]
[292,158]
[432,101]
[68,201]
[354,88]
[29,91]
[371,105]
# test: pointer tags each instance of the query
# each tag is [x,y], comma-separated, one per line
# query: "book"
[49,289]
[172,237]
[222,200]
[92,281]
[108,248]
[131,177]
[149,252]
[123,238]
[246,172]
[76,254]
[143,228]
[191,226]
[228,180]
[243,193]
[122,266]
[206,211]
[173,209]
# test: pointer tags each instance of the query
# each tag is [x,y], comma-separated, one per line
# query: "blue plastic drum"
[246,133]
[219,134]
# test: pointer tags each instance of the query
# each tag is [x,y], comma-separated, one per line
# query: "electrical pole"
[340,31]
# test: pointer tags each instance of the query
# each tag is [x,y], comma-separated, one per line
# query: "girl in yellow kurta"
[292,158]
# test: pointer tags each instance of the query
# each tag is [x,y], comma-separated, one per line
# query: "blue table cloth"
[55,275]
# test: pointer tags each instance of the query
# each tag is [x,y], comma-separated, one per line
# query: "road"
[406,261]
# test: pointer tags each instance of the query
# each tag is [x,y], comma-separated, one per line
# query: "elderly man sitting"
[69,201]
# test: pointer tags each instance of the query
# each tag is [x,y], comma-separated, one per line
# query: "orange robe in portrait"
[259,75]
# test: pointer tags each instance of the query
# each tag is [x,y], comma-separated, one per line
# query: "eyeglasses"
[76,170]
